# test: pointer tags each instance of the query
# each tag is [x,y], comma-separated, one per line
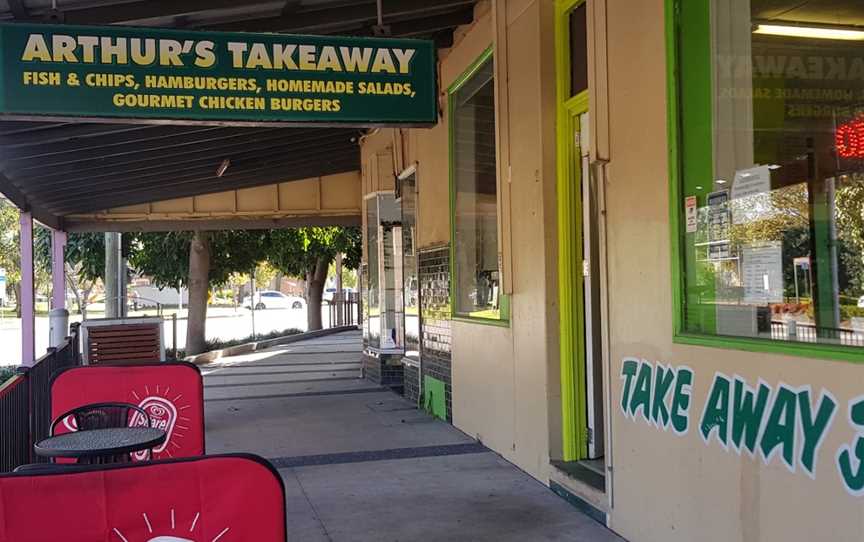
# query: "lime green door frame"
[574,416]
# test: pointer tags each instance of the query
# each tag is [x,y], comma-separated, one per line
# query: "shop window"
[407,191]
[383,275]
[474,188]
[770,128]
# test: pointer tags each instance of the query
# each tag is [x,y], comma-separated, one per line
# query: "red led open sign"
[849,139]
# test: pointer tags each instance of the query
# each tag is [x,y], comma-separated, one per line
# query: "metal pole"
[252,301]
[795,275]
[58,269]
[123,281]
[174,333]
[28,309]
[112,282]
[339,298]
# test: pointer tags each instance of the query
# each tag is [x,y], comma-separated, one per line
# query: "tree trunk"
[70,283]
[17,289]
[199,271]
[315,279]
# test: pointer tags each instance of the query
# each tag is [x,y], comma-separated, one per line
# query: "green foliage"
[85,252]
[6,372]
[851,311]
[215,344]
[850,230]
[297,251]
[165,256]
[9,241]
[349,276]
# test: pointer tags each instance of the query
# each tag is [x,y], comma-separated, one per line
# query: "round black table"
[101,445]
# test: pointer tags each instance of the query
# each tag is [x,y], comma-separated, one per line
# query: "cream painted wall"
[670,488]
[500,374]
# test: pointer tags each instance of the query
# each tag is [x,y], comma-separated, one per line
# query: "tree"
[9,248]
[850,230]
[307,253]
[200,260]
[349,276]
[84,261]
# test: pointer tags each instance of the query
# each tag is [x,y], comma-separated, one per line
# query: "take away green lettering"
[715,415]
[641,399]
[663,379]
[748,409]
[661,393]
[814,429]
[851,465]
[628,371]
[779,431]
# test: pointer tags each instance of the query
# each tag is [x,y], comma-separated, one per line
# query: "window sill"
[802,350]
[481,321]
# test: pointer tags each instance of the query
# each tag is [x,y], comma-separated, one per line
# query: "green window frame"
[690,133]
[503,313]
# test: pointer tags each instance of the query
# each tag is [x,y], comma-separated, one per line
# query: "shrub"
[216,344]
[6,373]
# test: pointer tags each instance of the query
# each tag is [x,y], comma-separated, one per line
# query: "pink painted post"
[28,321]
[58,269]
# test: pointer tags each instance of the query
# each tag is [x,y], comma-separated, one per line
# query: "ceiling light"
[223,167]
[720,181]
[812,32]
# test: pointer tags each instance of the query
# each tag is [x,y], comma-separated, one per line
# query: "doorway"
[582,392]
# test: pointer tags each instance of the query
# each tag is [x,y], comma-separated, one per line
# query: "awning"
[56,169]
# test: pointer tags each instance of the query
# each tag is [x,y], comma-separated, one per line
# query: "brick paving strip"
[301,394]
[377,455]
[269,382]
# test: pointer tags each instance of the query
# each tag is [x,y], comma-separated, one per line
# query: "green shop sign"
[161,75]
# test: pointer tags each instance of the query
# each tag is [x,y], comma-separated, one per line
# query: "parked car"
[329,293]
[270,299]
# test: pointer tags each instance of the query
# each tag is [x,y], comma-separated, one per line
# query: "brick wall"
[412,383]
[371,368]
[385,370]
[435,347]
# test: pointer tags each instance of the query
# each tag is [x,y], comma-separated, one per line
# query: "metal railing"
[345,310]
[809,333]
[15,445]
[134,304]
[25,404]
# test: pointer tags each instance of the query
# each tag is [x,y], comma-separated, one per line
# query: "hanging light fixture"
[223,167]
[810,32]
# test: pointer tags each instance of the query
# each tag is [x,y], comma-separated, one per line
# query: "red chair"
[223,498]
[171,394]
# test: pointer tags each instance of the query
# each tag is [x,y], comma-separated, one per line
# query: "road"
[222,323]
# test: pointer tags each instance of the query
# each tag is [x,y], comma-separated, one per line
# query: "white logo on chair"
[157,527]
[163,415]
[70,423]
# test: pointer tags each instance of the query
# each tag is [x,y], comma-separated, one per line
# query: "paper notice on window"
[762,273]
[751,194]
[691,214]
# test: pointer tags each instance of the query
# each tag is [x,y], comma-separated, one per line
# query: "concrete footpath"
[362,464]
